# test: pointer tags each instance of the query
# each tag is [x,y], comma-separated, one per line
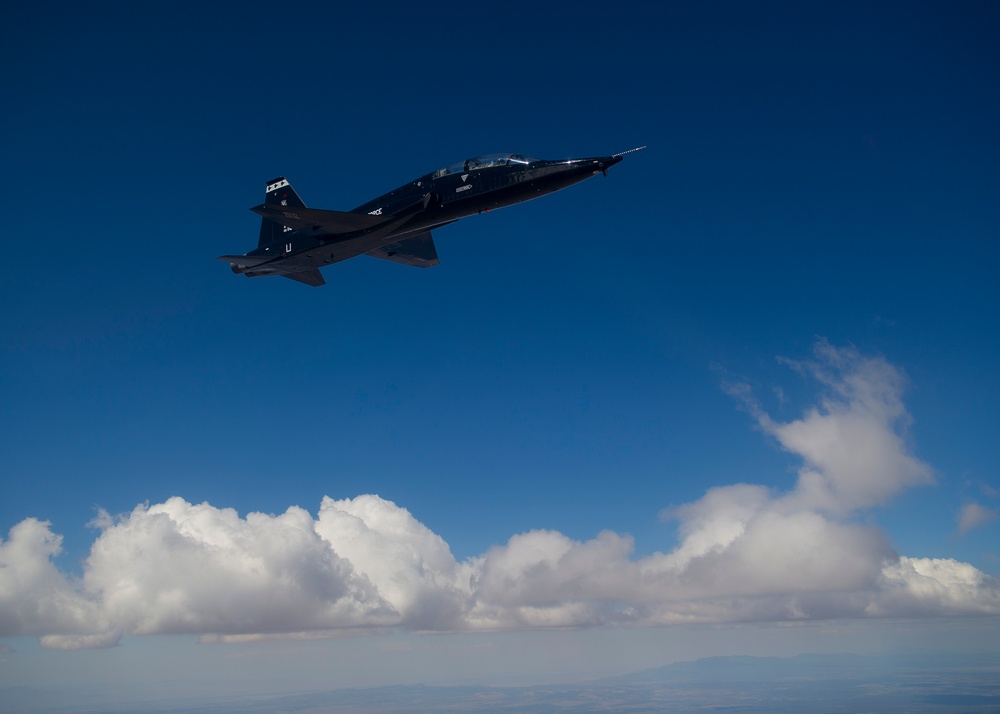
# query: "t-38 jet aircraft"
[295,241]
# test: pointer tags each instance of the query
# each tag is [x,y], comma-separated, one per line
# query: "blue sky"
[812,230]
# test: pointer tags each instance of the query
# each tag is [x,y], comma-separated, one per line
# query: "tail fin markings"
[280,192]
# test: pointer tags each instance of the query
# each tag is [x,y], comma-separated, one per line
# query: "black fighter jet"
[295,241]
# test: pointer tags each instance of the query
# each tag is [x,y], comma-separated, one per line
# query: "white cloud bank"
[745,553]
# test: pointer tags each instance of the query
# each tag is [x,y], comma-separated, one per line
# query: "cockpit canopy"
[484,162]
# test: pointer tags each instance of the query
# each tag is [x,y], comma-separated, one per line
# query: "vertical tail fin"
[279,192]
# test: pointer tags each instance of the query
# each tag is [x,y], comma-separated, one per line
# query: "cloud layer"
[745,552]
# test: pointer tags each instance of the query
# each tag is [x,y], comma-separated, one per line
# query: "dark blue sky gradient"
[814,170]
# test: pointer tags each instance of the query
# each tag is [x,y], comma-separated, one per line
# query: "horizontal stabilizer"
[418,251]
[317,218]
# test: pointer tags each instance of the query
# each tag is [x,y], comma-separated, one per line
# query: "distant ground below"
[806,683]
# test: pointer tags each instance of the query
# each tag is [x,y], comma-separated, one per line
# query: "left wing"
[417,251]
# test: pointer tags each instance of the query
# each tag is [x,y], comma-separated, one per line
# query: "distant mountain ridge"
[804,666]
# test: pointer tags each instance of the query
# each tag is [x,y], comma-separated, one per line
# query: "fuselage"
[482,184]
[296,241]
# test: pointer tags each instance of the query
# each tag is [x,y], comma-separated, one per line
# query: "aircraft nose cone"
[606,162]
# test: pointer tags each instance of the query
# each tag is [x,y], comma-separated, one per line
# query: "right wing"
[417,251]
[247,261]
[309,277]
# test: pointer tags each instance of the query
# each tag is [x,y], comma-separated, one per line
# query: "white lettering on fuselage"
[376,212]
[466,187]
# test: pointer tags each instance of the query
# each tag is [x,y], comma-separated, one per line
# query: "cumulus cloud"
[744,552]
[409,565]
[934,586]
[176,567]
[35,597]
[853,442]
